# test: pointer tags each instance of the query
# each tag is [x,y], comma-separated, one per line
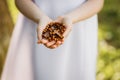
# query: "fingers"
[48,44]
[57,44]
[44,41]
[53,44]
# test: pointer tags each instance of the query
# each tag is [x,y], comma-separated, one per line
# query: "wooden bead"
[54,31]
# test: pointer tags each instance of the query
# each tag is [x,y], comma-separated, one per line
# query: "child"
[72,59]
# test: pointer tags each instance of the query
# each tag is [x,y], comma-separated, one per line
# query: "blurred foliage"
[108,63]
[13,10]
[6,27]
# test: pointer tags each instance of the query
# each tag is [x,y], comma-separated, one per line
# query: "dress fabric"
[73,60]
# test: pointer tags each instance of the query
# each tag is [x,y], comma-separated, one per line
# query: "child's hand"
[41,26]
[68,23]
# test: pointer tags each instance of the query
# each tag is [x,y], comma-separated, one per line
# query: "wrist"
[68,17]
[44,19]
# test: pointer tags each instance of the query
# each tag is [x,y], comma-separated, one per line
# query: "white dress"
[73,60]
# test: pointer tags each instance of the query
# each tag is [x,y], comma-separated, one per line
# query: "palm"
[68,25]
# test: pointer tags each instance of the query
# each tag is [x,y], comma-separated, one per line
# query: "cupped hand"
[41,26]
[68,24]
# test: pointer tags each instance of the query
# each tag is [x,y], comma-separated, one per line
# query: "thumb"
[66,33]
[39,33]
[68,25]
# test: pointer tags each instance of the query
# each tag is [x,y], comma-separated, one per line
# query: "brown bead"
[54,31]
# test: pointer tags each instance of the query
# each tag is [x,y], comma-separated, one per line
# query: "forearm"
[30,10]
[86,10]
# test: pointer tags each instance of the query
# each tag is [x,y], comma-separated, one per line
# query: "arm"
[30,10]
[86,10]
